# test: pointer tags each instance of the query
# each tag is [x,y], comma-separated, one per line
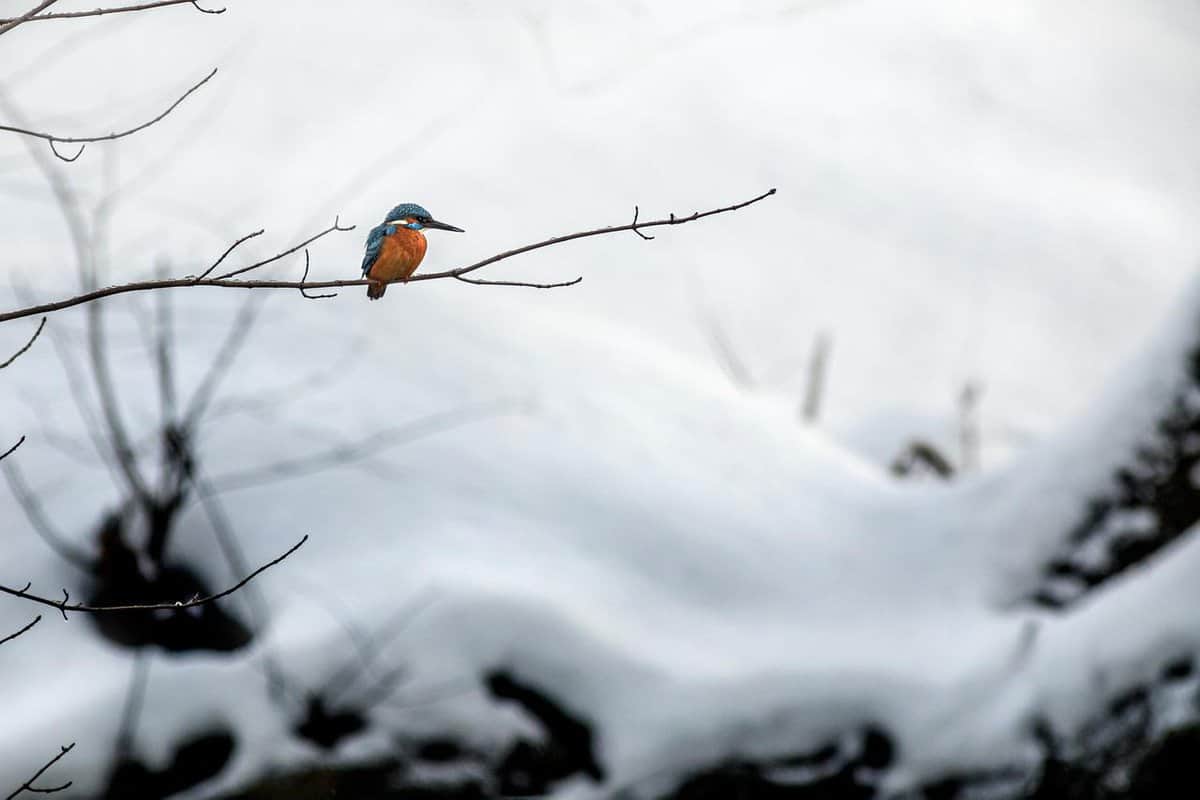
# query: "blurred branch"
[28,786]
[968,425]
[922,453]
[270,400]
[232,550]
[41,523]
[370,649]
[34,16]
[135,696]
[225,281]
[52,138]
[727,355]
[28,344]
[818,366]
[12,636]
[360,449]
[65,605]
[235,339]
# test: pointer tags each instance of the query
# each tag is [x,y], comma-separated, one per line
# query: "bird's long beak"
[441,226]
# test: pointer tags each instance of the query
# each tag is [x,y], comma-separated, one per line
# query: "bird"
[396,246]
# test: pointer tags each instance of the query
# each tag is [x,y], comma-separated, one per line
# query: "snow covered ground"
[1004,194]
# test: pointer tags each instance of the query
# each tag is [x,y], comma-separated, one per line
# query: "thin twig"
[336,226]
[225,283]
[637,211]
[12,636]
[28,344]
[479,282]
[12,449]
[28,786]
[100,12]
[305,294]
[55,138]
[64,605]
[231,248]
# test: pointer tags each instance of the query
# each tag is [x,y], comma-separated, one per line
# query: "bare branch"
[225,282]
[637,211]
[305,294]
[336,226]
[100,12]
[28,344]
[12,449]
[479,282]
[54,138]
[231,248]
[28,786]
[8,24]
[64,605]
[12,636]
[61,157]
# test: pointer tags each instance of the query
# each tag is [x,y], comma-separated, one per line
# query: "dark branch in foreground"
[28,344]
[64,606]
[28,786]
[12,636]
[226,282]
[100,12]
[83,140]
[12,449]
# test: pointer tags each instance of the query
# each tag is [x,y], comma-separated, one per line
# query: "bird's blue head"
[415,217]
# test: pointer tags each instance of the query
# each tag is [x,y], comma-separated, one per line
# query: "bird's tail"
[376,289]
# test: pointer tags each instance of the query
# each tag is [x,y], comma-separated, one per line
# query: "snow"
[998,193]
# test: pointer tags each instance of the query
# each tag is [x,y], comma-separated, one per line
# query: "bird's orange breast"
[399,256]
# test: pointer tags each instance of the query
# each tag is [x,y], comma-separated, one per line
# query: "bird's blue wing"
[374,245]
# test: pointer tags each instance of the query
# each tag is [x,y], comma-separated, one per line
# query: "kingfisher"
[396,246]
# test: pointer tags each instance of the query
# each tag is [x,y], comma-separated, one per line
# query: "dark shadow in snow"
[195,761]
[1151,501]
[842,770]
[566,749]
